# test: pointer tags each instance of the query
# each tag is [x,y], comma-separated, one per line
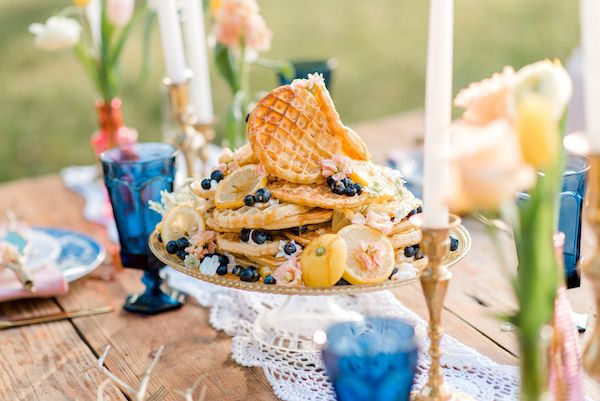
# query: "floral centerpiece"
[241,34]
[97,30]
[509,140]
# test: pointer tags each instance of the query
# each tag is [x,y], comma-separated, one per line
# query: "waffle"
[402,240]
[254,217]
[196,188]
[313,216]
[230,242]
[269,261]
[315,196]
[291,130]
[306,238]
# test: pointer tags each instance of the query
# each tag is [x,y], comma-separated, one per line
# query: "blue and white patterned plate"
[79,254]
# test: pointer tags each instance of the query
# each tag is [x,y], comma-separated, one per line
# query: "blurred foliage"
[47,114]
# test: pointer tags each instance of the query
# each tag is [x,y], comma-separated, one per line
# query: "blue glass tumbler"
[132,178]
[371,359]
[304,67]
[571,209]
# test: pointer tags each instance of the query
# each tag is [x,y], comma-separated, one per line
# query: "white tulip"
[545,78]
[119,12]
[58,33]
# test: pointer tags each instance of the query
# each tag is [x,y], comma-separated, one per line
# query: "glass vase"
[110,121]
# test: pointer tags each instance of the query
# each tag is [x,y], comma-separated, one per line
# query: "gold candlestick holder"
[191,138]
[434,281]
[591,354]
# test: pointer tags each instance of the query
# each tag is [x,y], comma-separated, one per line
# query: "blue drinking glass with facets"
[571,209]
[133,177]
[371,359]
[304,67]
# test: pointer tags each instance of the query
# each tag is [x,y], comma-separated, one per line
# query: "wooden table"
[51,361]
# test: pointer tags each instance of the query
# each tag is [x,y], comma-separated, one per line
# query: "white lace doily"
[300,376]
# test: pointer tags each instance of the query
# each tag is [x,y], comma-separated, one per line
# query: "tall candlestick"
[170,35]
[590,41]
[438,112]
[195,46]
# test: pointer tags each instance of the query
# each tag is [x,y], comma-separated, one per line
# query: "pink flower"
[374,220]
[487,100]
[119,12]
[338,167]
[289,273]
[238,21]
[202,243]
[100,142]
[369,256]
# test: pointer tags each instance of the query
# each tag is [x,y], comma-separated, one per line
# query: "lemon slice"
[375,246]
[181,221]
[323,261]
[241,182]
[379,181]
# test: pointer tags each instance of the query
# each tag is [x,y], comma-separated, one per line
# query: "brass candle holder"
[434,281]
[191,138]
[591,355]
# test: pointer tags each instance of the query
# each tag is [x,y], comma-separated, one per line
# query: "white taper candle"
[590,42]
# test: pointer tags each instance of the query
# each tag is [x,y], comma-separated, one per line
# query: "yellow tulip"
[81,3]
[537,130]
[214,6]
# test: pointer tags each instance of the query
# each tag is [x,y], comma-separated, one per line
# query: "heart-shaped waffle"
[255,217]
[315,195]
[294,127]
[230,242]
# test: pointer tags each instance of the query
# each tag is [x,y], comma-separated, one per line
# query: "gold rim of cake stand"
[158,249]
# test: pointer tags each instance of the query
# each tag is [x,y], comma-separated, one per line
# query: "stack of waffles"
[301,203]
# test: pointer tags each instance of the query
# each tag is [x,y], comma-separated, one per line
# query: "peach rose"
[487,166]
[238,21]
[487,100]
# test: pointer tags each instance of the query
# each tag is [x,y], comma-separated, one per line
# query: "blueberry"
[270,280]
[172,247]
[181,254]
[222,270]
[330,181]
[245,234]
[247,275]
[205,183]
[159,237]
[259,237]
[298,230]
[393,272]
[252,268]
[350,190]
[419,254]
[182,243]
[223,260]
[346,181]
[237,270]
[339,188]
[249,200]
[358,188]
[453,243]
[289,248]
[409,251]
[255,275]
[262,195]
[342,282]
[216,175]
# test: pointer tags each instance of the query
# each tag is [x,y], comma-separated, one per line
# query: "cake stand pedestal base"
[291,326]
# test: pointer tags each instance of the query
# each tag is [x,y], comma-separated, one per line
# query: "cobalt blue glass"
[571,210]
[305,67]
[133,178]
[372,359]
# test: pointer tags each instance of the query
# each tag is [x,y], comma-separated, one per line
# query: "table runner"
[300,376]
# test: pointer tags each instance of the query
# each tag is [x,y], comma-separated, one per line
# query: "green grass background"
[46,100]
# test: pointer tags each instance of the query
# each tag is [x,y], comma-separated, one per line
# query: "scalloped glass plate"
[158,249]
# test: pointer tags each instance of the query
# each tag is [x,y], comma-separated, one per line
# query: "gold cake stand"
[305,310]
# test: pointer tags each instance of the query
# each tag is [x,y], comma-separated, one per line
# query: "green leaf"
[235,121]
[120,44]
[226,65]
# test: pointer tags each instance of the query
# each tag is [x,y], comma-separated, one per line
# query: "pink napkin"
[48,280]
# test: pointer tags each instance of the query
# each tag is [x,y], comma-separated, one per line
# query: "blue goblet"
[304,67]
[371,359]
[134,176]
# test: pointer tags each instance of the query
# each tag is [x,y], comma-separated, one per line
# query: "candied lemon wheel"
[323,261]
[181,221]
[241,182]
[369,255]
